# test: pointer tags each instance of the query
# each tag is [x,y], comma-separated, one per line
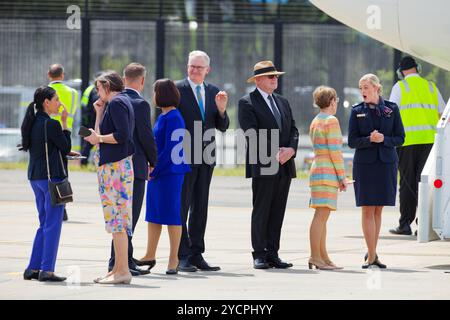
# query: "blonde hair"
[373,79]
[323,96]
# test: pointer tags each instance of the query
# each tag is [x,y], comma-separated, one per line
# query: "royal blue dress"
[164,189]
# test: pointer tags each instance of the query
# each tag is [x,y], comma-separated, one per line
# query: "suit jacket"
[190,111]
[58,140]
[254,113]
[361,125]
[144,141]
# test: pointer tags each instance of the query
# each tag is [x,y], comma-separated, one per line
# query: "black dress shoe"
[401,231]
[45,276]
[278,263]
[185,266]
[204,266]
[149,263]
[136,271]
[260,263]
[29,275]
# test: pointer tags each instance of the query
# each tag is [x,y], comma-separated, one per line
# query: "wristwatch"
[100,139]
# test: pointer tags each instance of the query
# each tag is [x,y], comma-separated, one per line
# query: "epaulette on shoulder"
[357,105]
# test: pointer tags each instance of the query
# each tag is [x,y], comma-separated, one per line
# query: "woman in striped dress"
[327,174]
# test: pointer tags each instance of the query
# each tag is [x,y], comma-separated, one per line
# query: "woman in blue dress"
[166,180]
[375,129]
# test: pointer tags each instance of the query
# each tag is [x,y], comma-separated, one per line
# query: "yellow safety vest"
[85,97]
[419,110]
[69,98]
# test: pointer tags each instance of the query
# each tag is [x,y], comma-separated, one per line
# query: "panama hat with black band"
[264,68]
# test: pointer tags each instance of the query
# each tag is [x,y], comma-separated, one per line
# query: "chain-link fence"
[312,54]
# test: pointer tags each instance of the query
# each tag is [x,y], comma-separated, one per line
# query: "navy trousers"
[46,241]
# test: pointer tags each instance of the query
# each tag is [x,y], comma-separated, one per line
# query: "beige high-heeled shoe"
[331,264]
[124,279]
[318,265]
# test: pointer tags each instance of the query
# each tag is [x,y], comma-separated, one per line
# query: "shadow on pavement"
[89,284]
[439,267]
[294,271]
[409,238]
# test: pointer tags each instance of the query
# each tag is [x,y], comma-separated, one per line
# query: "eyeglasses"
[197,67]
[272,76]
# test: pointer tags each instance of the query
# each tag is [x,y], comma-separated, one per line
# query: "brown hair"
[56,70]
[134,71]
[166,93]
[323,96]
[111,81]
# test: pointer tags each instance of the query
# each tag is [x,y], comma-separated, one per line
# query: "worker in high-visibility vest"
[88,117]
[67,96]
[420,104]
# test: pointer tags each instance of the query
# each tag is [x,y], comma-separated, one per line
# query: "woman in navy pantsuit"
[375,129]
[37,118]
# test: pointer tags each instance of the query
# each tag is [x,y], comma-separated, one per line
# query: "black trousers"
[270,196]
[138,198]
[411,162]
[194,210]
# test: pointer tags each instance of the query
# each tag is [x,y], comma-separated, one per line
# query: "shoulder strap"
[46,153]
[46,149]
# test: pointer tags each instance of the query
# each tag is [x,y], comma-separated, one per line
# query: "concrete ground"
[415,271]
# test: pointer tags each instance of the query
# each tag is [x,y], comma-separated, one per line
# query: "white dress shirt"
[396,94]
[202,91]
[265,95]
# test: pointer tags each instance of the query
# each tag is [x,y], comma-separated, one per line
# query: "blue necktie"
[200,101]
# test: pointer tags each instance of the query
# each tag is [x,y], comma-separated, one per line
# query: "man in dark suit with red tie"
[203,107]
[266,112]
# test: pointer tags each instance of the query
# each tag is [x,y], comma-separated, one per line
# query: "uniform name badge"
[360,115]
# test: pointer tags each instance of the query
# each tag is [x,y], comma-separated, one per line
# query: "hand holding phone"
[84,132]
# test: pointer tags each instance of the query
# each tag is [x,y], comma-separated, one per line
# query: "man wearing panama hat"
[264,111]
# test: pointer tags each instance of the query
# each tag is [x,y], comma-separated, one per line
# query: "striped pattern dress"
[327,169]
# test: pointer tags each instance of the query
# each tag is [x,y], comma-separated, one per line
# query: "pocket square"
[360,115]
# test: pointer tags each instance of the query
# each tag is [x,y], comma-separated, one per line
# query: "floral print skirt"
[115,181]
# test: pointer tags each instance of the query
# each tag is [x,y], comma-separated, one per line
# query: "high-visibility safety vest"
[419,110]
[85,97]
[69,98]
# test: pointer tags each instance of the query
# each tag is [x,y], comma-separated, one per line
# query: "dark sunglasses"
[272,76]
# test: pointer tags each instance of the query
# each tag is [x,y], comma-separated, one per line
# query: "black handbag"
[60,192]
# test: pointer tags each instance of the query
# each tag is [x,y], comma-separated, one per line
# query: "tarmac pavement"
[415,270]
